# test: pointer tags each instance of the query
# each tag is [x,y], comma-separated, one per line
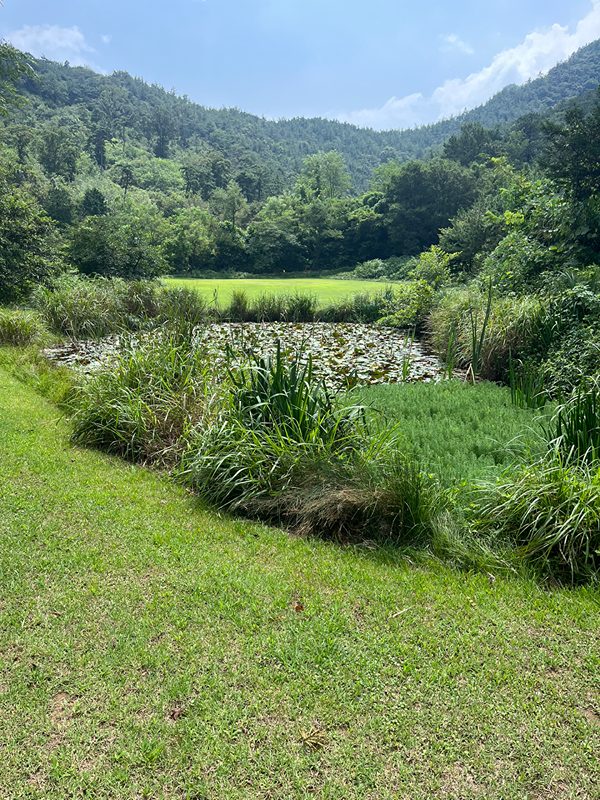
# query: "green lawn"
[153,649]
[325,289]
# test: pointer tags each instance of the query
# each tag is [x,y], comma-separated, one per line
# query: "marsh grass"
[463,330]
[141,404]
[550,510]
[92,309]
[21,327]
[457,431]
[578,425]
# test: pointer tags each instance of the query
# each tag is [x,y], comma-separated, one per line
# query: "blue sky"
[375,63]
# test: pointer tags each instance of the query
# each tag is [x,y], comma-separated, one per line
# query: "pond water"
[342,353]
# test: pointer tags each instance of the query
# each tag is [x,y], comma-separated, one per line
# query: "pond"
[342,353]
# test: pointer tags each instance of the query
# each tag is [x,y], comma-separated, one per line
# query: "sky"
[376,63]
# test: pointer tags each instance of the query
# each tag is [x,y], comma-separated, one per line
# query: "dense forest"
[114,177]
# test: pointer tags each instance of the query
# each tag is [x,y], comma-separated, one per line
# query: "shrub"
[407,305]
[432,266]
[275,419]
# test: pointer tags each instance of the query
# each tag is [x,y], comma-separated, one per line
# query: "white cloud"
[106,39]
[57,44]
[452,44]
[540,51]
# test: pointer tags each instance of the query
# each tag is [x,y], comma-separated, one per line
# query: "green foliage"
[420,198]
[21,327]
[93,204]
[457,431]
[407,304]
[59,205]
[29,252]
[515,325]
[325,176]
[13,66]
[578,426]
[572,155]
[551,511]
[82,308]
[360,307]
[114,247]
[432,266]
[58,152]
[140,405]
[472,235]
[527,388]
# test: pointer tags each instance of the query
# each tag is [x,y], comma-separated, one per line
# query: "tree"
[93,204]
[126,178]
[29,252]
[419,198]
[325,175]
[114,247]
[163,128]
[474,142]
[572,155]
[228,203]
[13,66]
[59,205]
[57,153]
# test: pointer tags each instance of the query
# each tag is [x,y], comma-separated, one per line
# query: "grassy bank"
[153,649]
[325,289]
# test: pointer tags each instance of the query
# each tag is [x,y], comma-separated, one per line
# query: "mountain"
[119,106]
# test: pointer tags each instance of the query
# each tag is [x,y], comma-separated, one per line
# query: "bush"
[432,266]
[407,305]
[80,309]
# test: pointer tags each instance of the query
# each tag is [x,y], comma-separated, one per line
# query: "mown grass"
[150,648]
[325,289]
[458,431]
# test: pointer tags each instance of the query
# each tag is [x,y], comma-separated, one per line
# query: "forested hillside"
[269,153]
[137,181]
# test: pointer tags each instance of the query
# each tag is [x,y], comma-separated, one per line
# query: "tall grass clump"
[361,307]
[21,327]
[577,433]
[550,508]
[550,512]
[270,307]
[464,328]
[141,404]
[281,450]
[80,308]
[84,308]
